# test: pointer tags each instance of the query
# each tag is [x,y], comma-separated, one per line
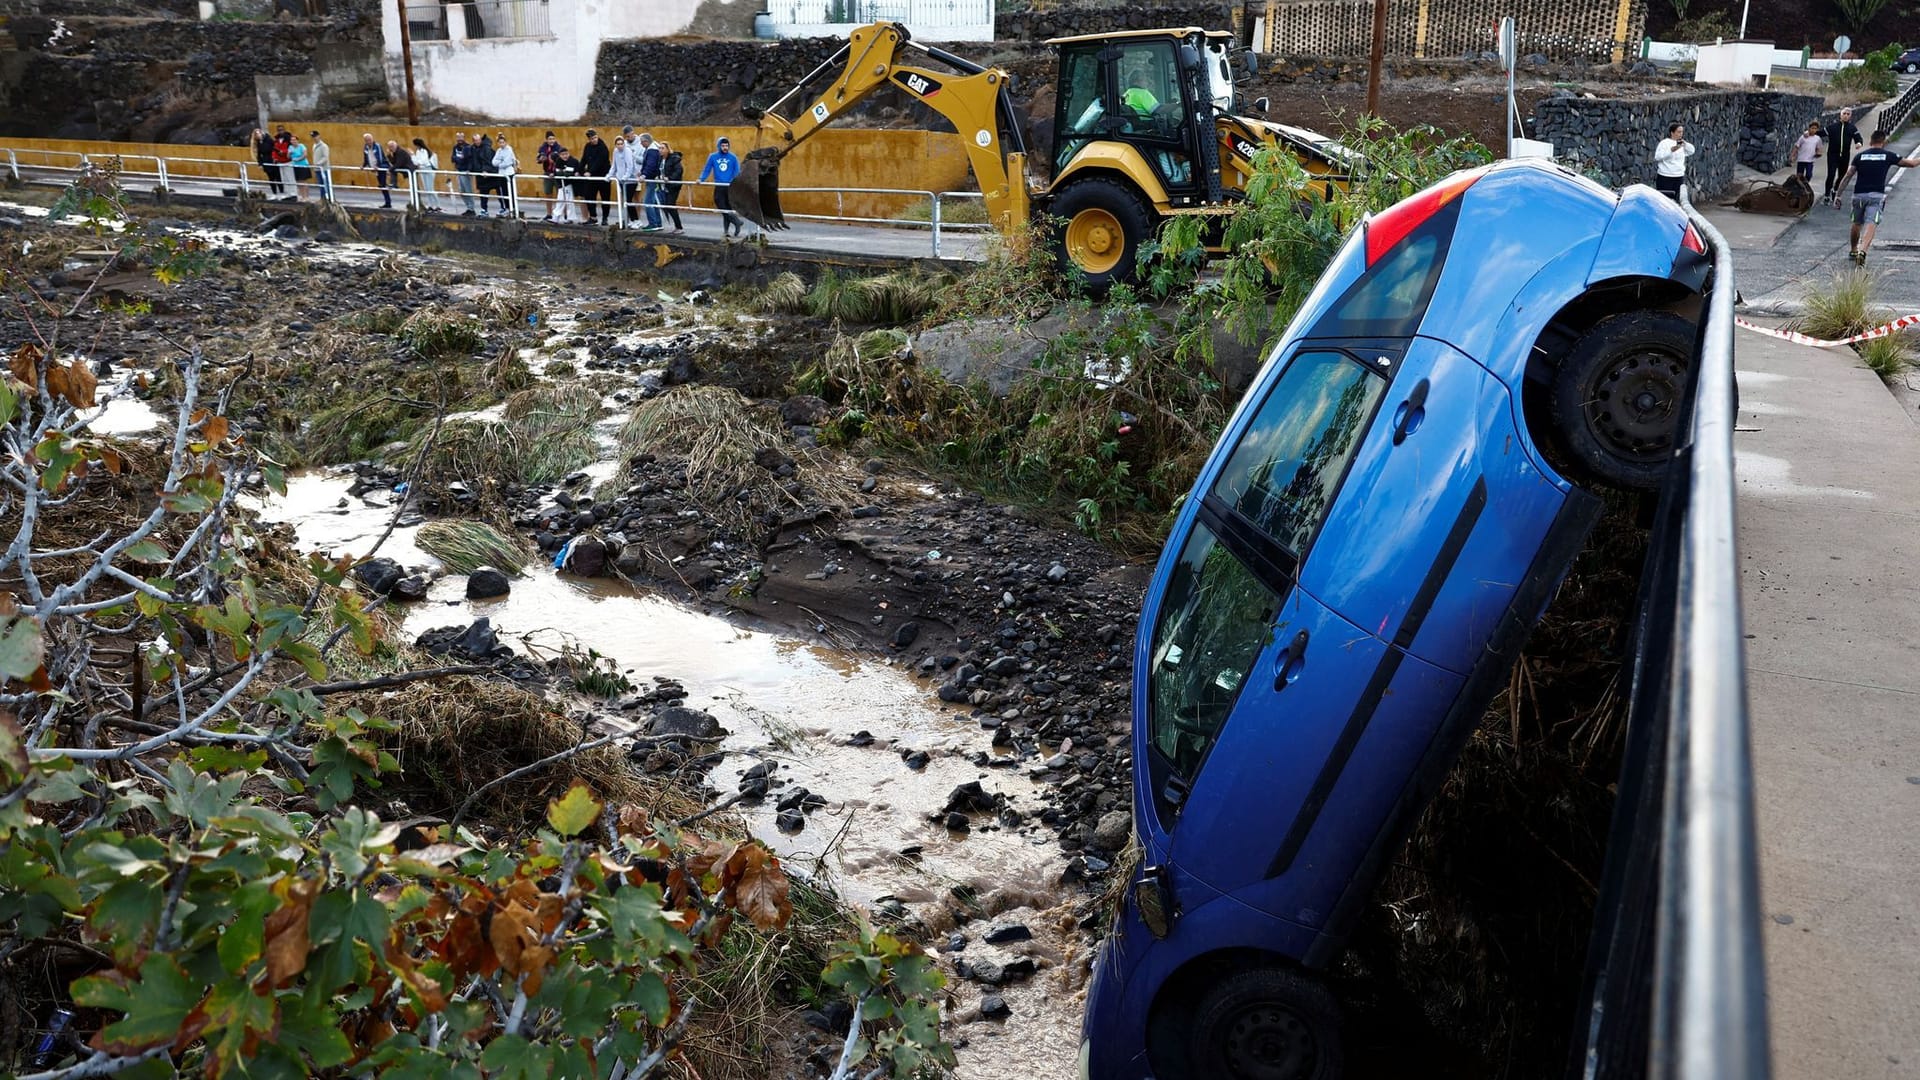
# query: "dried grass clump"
[724,438]
[903,296]
[381,319]
[466,546]
[506,310]
[1844,308]
[435,332]
[452,736]
[785,295]
[546,434]
[1889,357]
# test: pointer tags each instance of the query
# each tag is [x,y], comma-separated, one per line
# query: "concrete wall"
[1616,137]
[837,157]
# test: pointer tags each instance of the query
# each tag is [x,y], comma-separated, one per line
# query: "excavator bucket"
[755,193]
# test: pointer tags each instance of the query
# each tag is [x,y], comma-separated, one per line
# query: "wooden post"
[1374,57]
[406,63]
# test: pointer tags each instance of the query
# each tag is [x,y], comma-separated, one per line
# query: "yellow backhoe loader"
[1144,130]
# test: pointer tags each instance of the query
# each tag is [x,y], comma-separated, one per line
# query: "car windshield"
[1214,621]
[1282,476]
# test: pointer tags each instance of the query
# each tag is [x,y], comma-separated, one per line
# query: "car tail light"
[1394,223]
[1690,239]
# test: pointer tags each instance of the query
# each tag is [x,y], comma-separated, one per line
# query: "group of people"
[1870,170]
[649,174]
[292,164]
[577,188]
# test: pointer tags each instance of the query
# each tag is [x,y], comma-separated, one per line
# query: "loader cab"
[1144,90]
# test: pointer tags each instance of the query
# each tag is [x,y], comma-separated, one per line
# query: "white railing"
[928,20]
[355,185]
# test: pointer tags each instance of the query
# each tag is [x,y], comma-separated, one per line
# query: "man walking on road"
[1841,138]
[1872,166]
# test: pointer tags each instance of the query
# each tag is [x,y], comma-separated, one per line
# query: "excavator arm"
[975,101]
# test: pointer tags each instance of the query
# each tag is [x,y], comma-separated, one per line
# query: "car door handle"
[1408,414]
[1289,662]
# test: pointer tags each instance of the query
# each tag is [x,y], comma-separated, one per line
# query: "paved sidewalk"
[1829,517]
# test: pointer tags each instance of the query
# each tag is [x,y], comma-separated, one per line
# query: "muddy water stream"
[798,705]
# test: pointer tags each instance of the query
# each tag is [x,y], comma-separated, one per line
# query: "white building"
[534,59]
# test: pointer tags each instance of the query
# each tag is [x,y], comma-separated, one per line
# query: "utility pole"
[406,61]
[1373,58]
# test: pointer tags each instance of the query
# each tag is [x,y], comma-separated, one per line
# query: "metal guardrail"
[1676,984]
[441,191]
[1902,108]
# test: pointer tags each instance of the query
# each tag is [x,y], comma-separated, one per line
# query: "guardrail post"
[160,164]
[936,223]
[513,195]
[246,186]
[620,202]
[13,166]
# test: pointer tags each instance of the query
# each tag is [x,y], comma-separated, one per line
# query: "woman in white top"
[426,169]
[626,173]
[505,165]
[1805,149]
[1670,161]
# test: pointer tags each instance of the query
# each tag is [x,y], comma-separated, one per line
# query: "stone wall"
[684,81]
[161,79]
[1064,20]
[1615,138]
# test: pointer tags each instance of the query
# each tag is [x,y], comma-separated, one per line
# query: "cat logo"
[920,85]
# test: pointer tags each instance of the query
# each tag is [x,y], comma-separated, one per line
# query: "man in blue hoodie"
[724,168]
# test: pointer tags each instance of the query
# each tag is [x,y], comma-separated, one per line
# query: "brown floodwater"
[797,703]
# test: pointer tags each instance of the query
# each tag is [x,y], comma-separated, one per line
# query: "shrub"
[1873,74]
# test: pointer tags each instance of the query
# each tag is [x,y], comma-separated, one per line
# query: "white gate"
[928,20]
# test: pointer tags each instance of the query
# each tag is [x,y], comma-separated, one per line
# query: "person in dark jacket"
[596,161]
[483,170]
[463,167]
[1842,136]
[401,162]
[650,160]
[672,171]
[372,157]
[262,145]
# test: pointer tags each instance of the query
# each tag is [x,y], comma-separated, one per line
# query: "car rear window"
[1283,475]
[1390,299]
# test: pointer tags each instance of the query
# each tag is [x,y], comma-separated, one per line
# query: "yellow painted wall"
[836,157]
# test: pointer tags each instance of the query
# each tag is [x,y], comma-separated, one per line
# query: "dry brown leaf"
[73,381]
[287,941]
[760,887]
[511,933]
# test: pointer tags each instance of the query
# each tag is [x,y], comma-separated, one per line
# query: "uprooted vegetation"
[740,465]
[242,830]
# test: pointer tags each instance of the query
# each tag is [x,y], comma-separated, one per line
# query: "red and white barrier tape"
[1880,331]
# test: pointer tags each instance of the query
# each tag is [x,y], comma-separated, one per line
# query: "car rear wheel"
[1266,1024]
[1617,398]
[1105,224]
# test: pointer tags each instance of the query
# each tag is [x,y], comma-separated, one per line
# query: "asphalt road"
[904,242]
[1776,277]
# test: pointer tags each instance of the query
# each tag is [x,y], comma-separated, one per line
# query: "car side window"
[1282,476]
[1214,621]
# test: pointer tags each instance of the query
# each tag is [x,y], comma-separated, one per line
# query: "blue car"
[1379,529]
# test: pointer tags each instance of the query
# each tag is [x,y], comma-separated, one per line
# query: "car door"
[1443,517]
[1247,679]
